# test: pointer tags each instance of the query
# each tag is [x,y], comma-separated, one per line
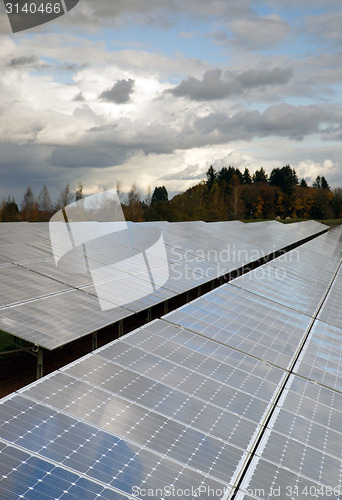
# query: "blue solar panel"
[235,393]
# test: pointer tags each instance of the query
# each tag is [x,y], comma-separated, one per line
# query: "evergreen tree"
[303,183]
[337,202]
[246,177]
[324,184]
[317,183]
[285,178]
[10,211]
[160,194]
[225,175]
[211,177]
[260,176]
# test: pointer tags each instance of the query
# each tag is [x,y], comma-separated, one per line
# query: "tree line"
[226,194]
[39,209]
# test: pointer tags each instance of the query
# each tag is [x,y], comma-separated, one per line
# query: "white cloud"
[54,128]
[309,169]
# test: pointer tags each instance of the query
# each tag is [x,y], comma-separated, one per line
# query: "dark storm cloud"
[23,61]
[261,78]
[209,88]
[120,92]
[214,87]
[21,167]
[84,155]
[281,120]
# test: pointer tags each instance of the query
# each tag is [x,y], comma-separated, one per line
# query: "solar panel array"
[51,306]
[236,393]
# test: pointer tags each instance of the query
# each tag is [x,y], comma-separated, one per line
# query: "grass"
[7,342]
[331,222]
[328,222]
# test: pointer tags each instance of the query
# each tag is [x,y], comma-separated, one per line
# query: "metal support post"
[149,315]
[39,363]
[94,341]
[120,328]
[16,346]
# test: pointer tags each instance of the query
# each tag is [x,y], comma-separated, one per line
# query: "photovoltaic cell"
[166,407]
[196,252]
[284,288]
[246,322]
[78,314]
[331,311]
[98,455]
[301,451]
[321,359]
[19,285]
[182,402]
[29,477]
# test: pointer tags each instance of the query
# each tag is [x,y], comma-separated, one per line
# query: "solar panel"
[300,455]
[125,425]
[233,386]
[251,324]
[20,285]
[331,311]
[284,288]
[47,306]
[321,359]
[77,312]
[24,475]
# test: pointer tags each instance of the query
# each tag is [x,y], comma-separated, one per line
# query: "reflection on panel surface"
[251,324]
[301,450]
[321,359]
[163,406]
[52,299]
[238,384]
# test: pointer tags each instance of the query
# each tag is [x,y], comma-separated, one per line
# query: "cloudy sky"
[154,92]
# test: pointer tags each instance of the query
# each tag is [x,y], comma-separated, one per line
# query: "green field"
[328,222]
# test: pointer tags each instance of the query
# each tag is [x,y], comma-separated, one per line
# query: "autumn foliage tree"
[45,207]
[29,207]
[225,194]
